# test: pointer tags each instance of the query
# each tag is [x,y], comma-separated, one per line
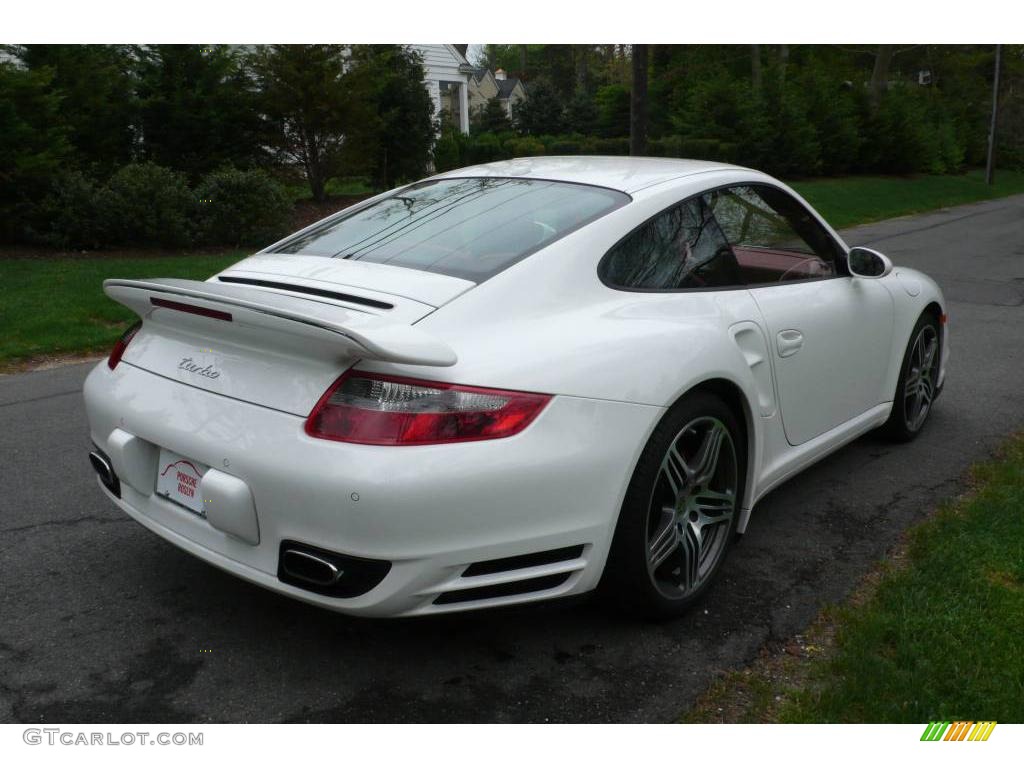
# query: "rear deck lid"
[384,282]
[280,348]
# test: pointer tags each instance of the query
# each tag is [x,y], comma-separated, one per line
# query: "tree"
[312,107]
[198,107]
[542,112]
[399,131]
[581,114]
[613,109]
[492,118]
[638,102]
[34,146]
[97,88]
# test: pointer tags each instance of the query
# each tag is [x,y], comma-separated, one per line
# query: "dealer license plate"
[178,480]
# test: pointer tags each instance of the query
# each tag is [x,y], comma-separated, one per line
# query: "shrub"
[76,213]
[612,146]
[700,149]
[448,151]
[526,146]
[241,208]
[564,146]
[666,146]
[837,117]
[795,149]
[148,204]
[483,148]
[951,152]
[907,135]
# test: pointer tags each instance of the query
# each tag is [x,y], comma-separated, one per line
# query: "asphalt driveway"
[100,620]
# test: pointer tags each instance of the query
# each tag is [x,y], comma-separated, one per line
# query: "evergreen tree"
[492,118]
[314,108]
[198,107]
[399,131]
[541,112]
[96,84]
[581,114]
[34,146]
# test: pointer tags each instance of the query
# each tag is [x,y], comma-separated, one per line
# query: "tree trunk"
[316,185]
[315,175]
[582,53]
[755,68]
[638,102]
[783,63]
[880,75]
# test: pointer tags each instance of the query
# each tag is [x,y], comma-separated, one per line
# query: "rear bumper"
[430,511]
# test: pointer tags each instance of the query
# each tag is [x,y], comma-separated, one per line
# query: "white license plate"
[178,479]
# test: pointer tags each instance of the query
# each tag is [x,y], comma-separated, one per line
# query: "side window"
[773,237]
[681,247]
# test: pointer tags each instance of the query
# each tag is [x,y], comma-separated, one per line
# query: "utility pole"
[638,102]
[990,162]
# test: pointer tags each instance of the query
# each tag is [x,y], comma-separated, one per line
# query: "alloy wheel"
[919,389]
[691,508]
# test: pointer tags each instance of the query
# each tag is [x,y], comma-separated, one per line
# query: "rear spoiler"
[355,333]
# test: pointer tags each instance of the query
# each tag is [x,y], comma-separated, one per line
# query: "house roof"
[506,86]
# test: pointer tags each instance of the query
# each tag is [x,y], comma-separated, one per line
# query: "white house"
[448,73]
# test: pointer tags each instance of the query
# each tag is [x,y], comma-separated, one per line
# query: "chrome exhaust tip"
[328,573]
[101,464]
[307,567]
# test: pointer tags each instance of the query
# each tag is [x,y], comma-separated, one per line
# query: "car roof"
[627,174]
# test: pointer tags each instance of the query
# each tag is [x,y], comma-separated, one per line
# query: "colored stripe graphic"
[960,730]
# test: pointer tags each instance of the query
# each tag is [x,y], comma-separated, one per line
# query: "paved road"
[102,621]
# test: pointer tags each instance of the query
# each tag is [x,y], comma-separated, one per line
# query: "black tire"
[629,582]
[905,423]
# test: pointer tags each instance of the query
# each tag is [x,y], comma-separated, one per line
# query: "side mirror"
[865,262]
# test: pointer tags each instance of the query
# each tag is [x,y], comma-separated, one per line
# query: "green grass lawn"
[55,305]
[936,637]
[852,200]
[941,638]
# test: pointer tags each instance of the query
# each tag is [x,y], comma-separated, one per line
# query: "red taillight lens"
[387,410]
[122,344]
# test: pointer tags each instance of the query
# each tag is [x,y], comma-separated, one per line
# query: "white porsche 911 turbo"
[508,383]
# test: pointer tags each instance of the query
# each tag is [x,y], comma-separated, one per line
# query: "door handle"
[789,342]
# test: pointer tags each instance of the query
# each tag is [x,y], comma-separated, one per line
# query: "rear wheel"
[916,389]
[681,509]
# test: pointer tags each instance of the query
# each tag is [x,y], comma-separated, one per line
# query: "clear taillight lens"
[122,344]
[388,410]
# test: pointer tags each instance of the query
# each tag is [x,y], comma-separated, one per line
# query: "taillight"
[122,344]
[388,410]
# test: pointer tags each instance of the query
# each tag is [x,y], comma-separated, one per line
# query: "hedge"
[149,205]
[455,150]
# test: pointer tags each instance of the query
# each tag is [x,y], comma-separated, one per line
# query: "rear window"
[468,228]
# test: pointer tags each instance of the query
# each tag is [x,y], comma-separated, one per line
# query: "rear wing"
[355,333]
